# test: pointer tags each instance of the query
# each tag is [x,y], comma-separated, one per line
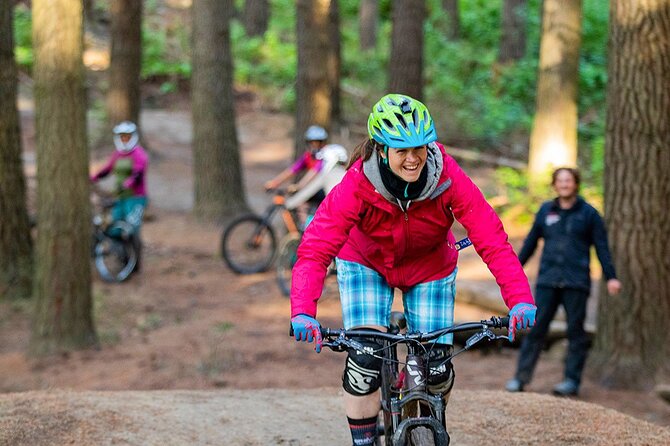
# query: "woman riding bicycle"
[388,222]
[129,164]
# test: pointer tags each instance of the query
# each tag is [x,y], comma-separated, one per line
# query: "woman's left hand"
[613,287]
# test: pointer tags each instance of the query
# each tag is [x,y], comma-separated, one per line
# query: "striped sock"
[363,432]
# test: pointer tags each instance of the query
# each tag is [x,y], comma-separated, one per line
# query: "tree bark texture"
[63,308]
[553,139]
[368,17]
[451,9]
[513,38]
[123,95]
[633,338]
[406,61]
[256,17]
[15,242]
[219,187]
[335,62]
[313,87]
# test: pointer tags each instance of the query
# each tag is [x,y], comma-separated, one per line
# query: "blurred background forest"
[223,91]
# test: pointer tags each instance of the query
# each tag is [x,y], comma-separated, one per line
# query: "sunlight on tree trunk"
[15,243]
[553,140]
[123,95]
[63,312]
[217,170]
[335,63]
[313,86]
[406,61]
[633,338]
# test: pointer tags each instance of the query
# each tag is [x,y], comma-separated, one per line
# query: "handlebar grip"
[290,330]
[504,322]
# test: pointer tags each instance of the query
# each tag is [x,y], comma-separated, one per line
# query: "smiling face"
[565,184]
[406,163]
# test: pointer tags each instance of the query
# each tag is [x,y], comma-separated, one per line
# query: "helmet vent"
[415,118]
[404,106]
[401,118]
[388,124]
[390,101]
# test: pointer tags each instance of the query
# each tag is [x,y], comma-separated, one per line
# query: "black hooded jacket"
[568,235]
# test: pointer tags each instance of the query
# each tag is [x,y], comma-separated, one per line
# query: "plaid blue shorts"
[366,300]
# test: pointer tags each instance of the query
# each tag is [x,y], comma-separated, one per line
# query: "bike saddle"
[397,322]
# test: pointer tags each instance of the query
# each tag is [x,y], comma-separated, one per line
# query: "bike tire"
[248,245]
[422,436]
[115,258]
[286,258]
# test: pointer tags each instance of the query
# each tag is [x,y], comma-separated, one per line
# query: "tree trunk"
[219,187]
[368,16]
[123,95]
[406,62]
[451,8]
[553,139]
[513,39]
[15,243]
[633,337]
[63,308]
[334,63]
[256,17]
[314,82]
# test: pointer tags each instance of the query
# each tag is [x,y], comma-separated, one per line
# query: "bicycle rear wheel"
[115,258]
[248,245]
[286,258]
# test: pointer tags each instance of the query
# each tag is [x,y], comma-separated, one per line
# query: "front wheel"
[286,258]
[248,245]
[115,257]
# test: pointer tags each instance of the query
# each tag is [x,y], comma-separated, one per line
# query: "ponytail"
[364,150]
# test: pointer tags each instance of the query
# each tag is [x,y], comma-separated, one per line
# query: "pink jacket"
[357,224]
[137,179]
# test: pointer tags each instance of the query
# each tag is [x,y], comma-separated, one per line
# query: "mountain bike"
[114,248]
[410,413]
[249,242]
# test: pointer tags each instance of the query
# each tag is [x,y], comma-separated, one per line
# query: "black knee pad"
[362,372]
[440,372]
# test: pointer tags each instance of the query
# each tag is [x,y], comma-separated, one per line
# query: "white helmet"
[125,128]
[316,133]
[334,153]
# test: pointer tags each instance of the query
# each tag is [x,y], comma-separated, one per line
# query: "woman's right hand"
[307,329]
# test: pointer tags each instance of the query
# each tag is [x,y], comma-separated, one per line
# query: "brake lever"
[480,336]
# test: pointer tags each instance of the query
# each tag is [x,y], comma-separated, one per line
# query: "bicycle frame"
[288,217]
[394,400]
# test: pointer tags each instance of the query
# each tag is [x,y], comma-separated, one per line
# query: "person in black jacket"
[569,226]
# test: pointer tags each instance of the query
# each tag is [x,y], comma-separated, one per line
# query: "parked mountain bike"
[410,413]
[249,242]
[114,246]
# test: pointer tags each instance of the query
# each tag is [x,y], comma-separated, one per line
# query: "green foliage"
[165,49]
[23,39]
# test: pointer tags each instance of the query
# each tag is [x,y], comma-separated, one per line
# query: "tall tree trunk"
[553,140]
[314,82]
[219,187]
[406,62]
[15,243]
[368,16]
[123,96]
[63,308]
[334,62]
[513,39]
[452,10]
[256,17]
[633,338]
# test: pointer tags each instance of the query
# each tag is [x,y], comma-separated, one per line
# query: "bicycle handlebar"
[494,322]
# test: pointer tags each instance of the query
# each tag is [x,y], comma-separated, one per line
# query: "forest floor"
[216,345]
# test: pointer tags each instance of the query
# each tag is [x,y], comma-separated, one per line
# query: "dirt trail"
[277,417]
[188,323]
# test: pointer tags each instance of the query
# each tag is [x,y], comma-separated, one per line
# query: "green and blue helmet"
[401,122]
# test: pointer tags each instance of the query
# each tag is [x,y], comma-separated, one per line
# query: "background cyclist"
[129,164]
[388,222]
[309,165]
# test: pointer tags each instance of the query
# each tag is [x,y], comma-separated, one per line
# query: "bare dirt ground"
[187,323]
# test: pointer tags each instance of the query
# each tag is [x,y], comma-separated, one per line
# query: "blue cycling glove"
[307,329]
[521,316]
